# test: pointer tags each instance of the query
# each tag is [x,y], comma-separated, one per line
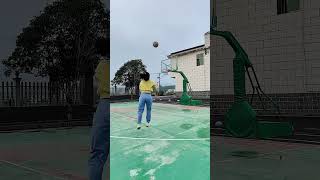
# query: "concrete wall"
[202,95]
[285,48]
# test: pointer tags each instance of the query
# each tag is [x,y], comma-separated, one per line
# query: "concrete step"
[298,137]
[22,126]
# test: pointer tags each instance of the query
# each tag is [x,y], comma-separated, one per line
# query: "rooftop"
[187,50]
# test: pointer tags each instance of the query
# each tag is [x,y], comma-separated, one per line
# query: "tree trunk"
[87,95]
[88,90]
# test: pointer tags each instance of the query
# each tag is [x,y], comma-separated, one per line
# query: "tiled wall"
[198,76]
[284,49]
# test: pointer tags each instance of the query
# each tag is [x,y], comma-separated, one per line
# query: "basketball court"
[177,142]
[50,154]
[176,146]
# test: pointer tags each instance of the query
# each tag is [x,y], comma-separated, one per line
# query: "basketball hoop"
[166,67]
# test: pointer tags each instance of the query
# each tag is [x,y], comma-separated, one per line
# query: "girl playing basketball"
[146,87]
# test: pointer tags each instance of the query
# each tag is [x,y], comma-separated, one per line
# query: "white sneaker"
[139,126]
[148,124]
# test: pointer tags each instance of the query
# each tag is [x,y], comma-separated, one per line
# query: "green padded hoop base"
[240,120]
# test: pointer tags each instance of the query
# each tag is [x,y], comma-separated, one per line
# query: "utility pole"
[159,79]
[159,82]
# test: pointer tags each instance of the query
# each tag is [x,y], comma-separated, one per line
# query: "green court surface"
[45,155]
[244,159]
[176,143]
[175,147]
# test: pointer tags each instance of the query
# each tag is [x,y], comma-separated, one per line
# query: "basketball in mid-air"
[155,44]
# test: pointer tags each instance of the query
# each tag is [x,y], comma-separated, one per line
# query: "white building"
[282,40]
[195,64]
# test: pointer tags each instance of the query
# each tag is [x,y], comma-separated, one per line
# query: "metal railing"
[16,93]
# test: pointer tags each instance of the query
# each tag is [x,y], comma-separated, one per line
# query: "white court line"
[31,170]
[159,139]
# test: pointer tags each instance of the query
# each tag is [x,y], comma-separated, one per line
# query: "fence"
[119,91]
[16,93]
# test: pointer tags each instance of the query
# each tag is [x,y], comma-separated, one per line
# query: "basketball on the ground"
[218,124]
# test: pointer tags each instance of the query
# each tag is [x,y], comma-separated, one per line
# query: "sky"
[14,16]
[136,24]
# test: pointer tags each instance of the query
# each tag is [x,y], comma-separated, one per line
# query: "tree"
[60,42]
[17,63]
[128,75]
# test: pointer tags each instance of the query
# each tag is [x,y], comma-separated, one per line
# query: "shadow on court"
[244,159]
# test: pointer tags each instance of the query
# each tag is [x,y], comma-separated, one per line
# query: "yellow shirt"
[146,86]
[102,75]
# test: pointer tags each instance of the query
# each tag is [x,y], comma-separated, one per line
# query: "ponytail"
[146,76]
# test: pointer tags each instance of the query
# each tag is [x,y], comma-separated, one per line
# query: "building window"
[285,6]
[200,59]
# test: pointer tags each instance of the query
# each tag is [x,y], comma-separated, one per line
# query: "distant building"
[195,63]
